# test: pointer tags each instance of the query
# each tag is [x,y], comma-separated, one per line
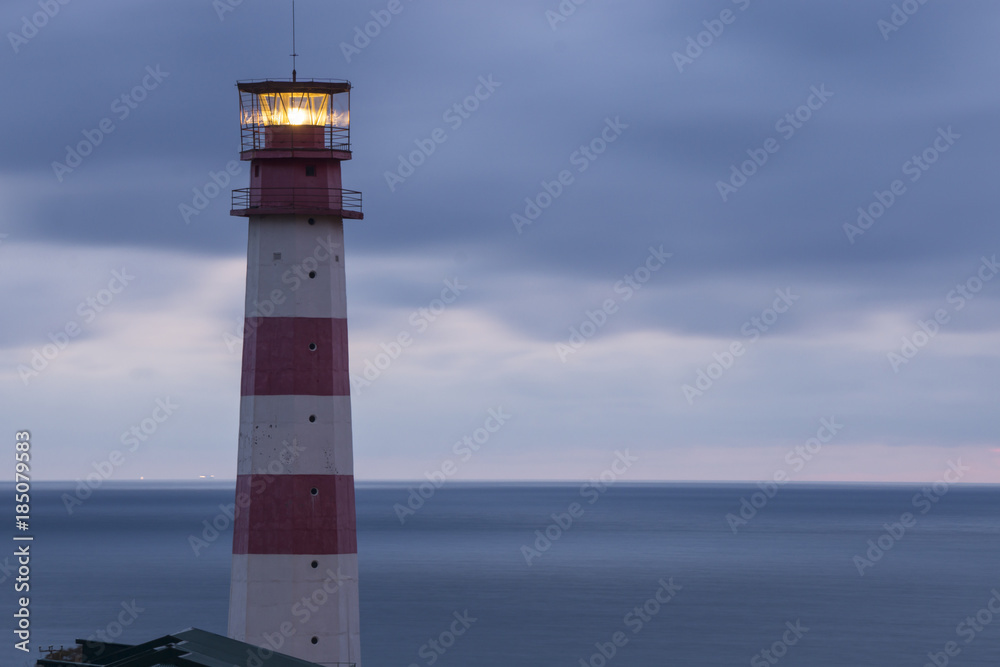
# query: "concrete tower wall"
[295,570]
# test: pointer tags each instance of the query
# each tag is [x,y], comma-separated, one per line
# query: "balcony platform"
[297,201]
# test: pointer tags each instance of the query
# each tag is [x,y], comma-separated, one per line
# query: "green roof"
[189,648]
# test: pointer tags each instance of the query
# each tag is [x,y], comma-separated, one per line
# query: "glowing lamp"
[298,109]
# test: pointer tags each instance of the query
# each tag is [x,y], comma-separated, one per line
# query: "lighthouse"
[294,585]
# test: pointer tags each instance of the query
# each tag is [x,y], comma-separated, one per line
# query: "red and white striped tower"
[295,564]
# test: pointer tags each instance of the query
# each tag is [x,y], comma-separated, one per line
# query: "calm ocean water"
[733,595]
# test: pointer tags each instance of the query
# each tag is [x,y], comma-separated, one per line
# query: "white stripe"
[281,287]
[281,602]
[277,438]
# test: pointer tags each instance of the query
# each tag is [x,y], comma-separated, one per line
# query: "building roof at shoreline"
[188,648]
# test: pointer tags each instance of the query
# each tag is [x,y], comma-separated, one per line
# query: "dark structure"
[189,648]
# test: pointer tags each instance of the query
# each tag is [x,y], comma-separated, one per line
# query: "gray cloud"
[655,184]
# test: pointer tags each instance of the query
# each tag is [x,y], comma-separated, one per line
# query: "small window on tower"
[256,171]
[310,170]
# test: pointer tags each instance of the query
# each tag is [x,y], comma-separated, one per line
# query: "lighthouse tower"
[295,565]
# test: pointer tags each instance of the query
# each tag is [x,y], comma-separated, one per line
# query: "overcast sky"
[739,137]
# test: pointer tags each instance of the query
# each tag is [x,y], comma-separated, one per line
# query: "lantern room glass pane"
[301,109]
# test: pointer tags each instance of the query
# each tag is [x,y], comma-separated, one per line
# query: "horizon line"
[400,482]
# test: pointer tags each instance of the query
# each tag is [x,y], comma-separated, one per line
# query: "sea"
[556,574]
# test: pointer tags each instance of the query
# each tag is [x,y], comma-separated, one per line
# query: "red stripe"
[277,360]
[278,514]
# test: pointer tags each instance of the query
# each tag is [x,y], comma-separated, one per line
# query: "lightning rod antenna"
[294,54]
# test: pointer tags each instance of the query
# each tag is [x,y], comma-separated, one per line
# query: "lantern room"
[285,116]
